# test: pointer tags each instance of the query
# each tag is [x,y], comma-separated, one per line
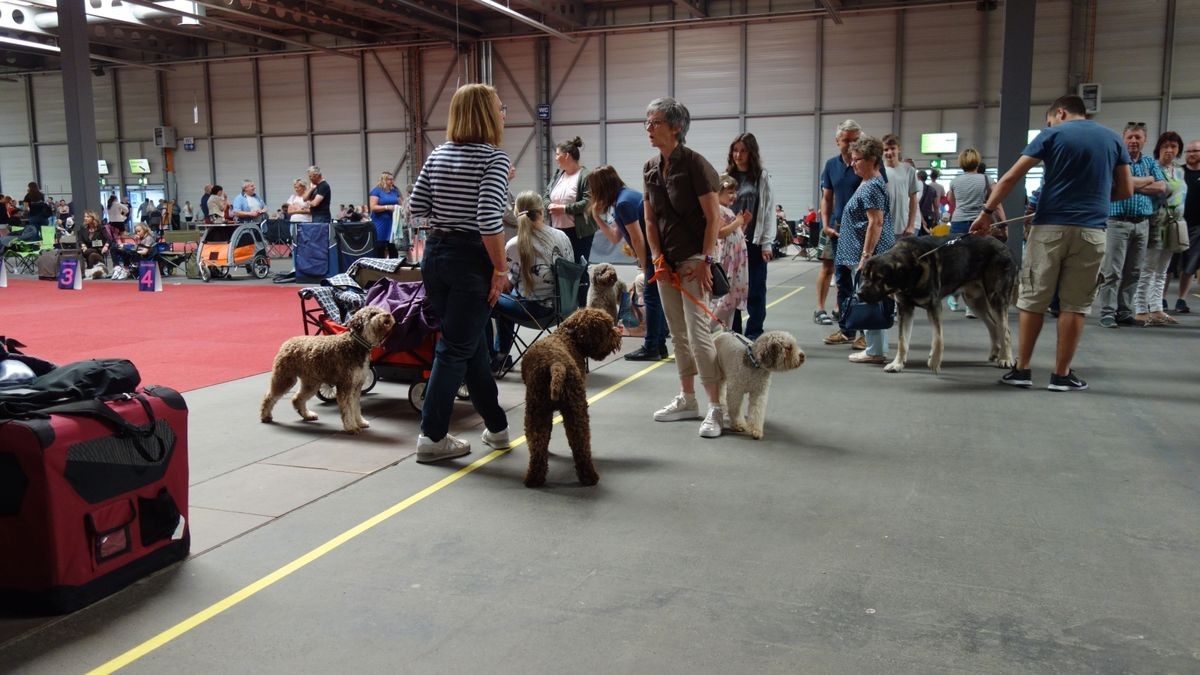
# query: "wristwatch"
[709,259]
[989,211]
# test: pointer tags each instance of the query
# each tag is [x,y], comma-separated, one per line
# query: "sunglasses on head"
[1135,125]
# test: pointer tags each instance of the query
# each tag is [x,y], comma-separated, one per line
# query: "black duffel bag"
[79,381]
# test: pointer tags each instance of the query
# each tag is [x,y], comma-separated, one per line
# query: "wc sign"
[543,111]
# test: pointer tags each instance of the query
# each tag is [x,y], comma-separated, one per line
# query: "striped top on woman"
[463,186]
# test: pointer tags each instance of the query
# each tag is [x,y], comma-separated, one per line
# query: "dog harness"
[750,358]
[362,341]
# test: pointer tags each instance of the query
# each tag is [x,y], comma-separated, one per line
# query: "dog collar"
[753,360]
[361,340]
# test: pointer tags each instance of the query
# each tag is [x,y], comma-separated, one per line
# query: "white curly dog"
[746,367]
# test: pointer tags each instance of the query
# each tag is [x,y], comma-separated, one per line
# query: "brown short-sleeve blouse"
[675,200]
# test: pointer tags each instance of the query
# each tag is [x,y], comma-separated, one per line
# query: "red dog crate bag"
[93,496]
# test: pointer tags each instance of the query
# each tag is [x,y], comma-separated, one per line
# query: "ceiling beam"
[687,6]
[347,31]
[549,9]
[833,13]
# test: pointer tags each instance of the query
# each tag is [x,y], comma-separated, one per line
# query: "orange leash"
[673,279]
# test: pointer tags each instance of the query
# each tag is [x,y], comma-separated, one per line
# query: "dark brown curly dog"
[555,374]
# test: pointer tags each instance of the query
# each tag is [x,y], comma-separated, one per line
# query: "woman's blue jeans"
[458,275]
[756,300]
[656,321]
[508,311]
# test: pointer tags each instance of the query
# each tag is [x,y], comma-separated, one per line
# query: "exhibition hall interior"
[612,336]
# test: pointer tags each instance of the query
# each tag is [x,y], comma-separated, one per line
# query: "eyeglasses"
[654,124]
[503,109]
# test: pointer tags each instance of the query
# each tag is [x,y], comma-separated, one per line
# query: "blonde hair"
[91,214]
[529,215]
[969,159]
[475,116]
[385,174]
[301,182]
[141,227]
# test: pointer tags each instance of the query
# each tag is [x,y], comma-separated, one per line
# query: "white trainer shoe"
[496,441]
[447,448]
[682,407]
[712,424]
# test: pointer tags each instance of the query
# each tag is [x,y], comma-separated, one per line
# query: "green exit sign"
[937,163]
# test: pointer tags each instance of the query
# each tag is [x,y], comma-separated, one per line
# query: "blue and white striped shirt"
[1139,205]
[463,186]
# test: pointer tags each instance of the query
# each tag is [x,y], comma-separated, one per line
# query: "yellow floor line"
[315,554]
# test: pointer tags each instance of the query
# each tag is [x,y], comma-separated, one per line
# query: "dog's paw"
[935,364]
[588,477]
[1006,363]
[737,425]
[267,419]
[310,417]
[896,366]
[352,430]
[535,482]
[363,424]
[756,434]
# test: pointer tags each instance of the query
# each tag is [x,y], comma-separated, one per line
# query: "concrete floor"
[905,523]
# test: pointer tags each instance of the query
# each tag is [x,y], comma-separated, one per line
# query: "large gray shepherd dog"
[920,271]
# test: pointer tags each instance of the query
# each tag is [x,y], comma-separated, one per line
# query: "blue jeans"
[959,227]
[656,321]
[756,301]
[581,248]
[508,311]
[458,274]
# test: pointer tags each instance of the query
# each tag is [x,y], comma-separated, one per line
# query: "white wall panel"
[55,170]
[1051,45]
[435,98]
[16,170]
[628,150]
[873,124]
[947,74]
[708,70]
[233,99]
[236,161]
[781,67]
[785,144]
[335,96]
[102,105]
[711,138]
[1185,119]
[192,173]
[147,150]
[338,157]
[49,118]
[285,158]
[912,125]
[1185,76]
[385,150]
[636,73]
[1116,115]
[1132,32]
[578,91]
[185,89]
[962,122]
[139,102]
[516,86]
[109,153]
[526,178]
[13,127]
[282,95]
[859,63]
[384,107]
[589,154]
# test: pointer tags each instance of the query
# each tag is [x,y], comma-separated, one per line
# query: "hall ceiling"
[157,33]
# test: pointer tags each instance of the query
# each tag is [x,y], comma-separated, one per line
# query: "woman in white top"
[567,200]
[118,213]
[530,295]
[218,203]
[187,213]
[297,203]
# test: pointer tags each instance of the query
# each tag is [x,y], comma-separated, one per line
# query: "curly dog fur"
[337,360]
[776,351]
[605,290]
[555,373]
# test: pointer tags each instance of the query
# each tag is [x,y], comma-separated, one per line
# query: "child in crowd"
[732,252]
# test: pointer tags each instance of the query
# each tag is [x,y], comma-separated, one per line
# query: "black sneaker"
[1181,307]
[1018,378]
[644,354]
[1068,382]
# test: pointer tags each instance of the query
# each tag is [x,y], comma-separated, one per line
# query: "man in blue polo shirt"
[1128,232]
[1086,167]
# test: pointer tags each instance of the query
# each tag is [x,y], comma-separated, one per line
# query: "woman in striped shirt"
[463,191]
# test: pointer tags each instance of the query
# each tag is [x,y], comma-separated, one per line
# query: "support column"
[545,140]
[78,106]
[818,102]
[1016,79]
[1164,110]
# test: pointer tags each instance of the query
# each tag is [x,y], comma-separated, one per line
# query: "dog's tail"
[558,381]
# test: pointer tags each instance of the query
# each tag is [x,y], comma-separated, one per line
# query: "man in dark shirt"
[1189,260]
[318,203]
[204,203]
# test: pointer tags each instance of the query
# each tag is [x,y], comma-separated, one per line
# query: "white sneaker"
[970,314]
[711,426]
[447,448]
[682,407]
[497,440]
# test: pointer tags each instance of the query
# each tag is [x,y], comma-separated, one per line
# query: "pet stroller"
[406,355]
[224,247]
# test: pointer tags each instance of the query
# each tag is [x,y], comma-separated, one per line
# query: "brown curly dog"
[605,290]
[555,373]
[337,360]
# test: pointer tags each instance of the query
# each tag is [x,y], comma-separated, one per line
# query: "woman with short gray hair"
[682,221]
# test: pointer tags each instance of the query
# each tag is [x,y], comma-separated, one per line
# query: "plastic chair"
[567,278]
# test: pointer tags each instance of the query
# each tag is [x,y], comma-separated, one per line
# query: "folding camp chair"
[21,256]
[567,277]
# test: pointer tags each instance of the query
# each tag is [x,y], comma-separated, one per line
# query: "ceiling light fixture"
[514,14]
[28,43]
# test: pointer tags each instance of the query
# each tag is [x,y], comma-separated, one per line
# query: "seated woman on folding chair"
[94,242]
[144,249]
[530,296]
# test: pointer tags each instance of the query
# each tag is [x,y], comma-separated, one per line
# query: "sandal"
[1162,319]
[821,318]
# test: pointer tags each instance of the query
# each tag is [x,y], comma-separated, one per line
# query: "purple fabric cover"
[415,318]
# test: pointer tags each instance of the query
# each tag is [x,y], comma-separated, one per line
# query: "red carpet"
[186,337]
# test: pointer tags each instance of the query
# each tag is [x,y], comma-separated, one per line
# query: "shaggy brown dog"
[555,373]
[605,290]
[747,371]
[337,360]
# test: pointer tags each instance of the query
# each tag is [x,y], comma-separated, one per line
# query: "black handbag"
[720,280]
[858,315]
